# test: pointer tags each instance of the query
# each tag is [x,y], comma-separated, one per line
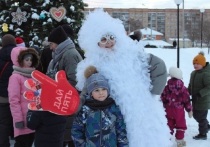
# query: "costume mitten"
[190,114]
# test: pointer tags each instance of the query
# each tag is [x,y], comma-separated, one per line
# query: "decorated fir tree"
[34,19]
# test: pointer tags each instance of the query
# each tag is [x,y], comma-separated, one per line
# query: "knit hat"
[200,59]
[175,72]
[95,80]
[68,30]
[19,41]
[57,35]
[8,39]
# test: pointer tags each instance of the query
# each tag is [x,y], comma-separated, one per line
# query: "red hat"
[19,41]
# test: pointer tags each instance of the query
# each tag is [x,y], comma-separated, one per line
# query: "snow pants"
[176,121]
[201,117]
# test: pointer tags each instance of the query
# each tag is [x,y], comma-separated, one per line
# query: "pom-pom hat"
[200,59]
[95,80]
[175,72]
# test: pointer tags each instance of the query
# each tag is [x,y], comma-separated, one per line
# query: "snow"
[186,57]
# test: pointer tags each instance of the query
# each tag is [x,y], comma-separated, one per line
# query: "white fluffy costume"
[126,68]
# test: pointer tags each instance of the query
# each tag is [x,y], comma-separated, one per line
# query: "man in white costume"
[119,59]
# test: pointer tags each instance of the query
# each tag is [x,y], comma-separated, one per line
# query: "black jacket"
[49,128]
[5,68]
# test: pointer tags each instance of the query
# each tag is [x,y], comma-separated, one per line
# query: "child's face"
[197,66]
[27,62]
[107,41]
[100,94]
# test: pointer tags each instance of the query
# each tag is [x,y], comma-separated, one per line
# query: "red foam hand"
[57,96]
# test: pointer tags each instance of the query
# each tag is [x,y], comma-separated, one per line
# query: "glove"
[19,125]
[56,96]
[190,114]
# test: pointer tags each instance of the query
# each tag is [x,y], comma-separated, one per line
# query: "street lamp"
[178,2]
[202,11]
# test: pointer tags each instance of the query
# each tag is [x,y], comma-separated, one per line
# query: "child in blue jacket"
[100,121]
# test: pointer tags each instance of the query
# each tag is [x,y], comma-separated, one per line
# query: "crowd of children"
[100,121]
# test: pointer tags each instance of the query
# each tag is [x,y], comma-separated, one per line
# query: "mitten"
[19,125]
[56,96]
[190,114]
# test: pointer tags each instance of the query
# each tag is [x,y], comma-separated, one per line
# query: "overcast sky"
[159,4]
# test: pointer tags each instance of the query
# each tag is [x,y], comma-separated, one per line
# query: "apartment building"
[161,20]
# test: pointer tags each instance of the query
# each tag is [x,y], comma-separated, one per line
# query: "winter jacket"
[176,98]
[69,58]
[175,95]
[158,74]
[199,88]
[5,69]
[16,88]
[99,127]
[49,128]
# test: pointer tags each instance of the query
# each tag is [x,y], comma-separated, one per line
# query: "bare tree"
[206,32]
[135,24]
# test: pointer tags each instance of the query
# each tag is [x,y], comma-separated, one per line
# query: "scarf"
[99,105]
[60,49]
[23,71]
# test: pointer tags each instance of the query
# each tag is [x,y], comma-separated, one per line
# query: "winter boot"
[200,137]
[180,143]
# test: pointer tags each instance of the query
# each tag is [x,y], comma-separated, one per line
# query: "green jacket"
[199,88]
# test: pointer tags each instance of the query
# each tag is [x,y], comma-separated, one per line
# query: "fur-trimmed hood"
[18,53]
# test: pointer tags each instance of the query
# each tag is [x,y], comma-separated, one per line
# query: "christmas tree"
[33,20]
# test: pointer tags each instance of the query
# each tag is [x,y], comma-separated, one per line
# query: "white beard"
[127,73]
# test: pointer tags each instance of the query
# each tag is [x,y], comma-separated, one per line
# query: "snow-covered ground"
[186,57]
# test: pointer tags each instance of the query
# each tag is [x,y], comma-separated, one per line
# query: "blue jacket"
[99,126]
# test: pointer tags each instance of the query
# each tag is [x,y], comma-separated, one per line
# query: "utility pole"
[183,26]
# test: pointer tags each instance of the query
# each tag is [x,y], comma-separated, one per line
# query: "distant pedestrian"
[174,43]
[176,99]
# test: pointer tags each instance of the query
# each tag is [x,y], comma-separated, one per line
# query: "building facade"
[161,20]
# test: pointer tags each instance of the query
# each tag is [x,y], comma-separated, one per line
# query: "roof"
[158,43]
[147,31]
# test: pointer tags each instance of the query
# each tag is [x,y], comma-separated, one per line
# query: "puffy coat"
[199,88]
[99,127]
[175,95]
[16,88]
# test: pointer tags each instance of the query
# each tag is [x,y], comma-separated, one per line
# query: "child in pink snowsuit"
[176,98]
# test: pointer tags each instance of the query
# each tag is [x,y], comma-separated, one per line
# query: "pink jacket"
[18,104]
